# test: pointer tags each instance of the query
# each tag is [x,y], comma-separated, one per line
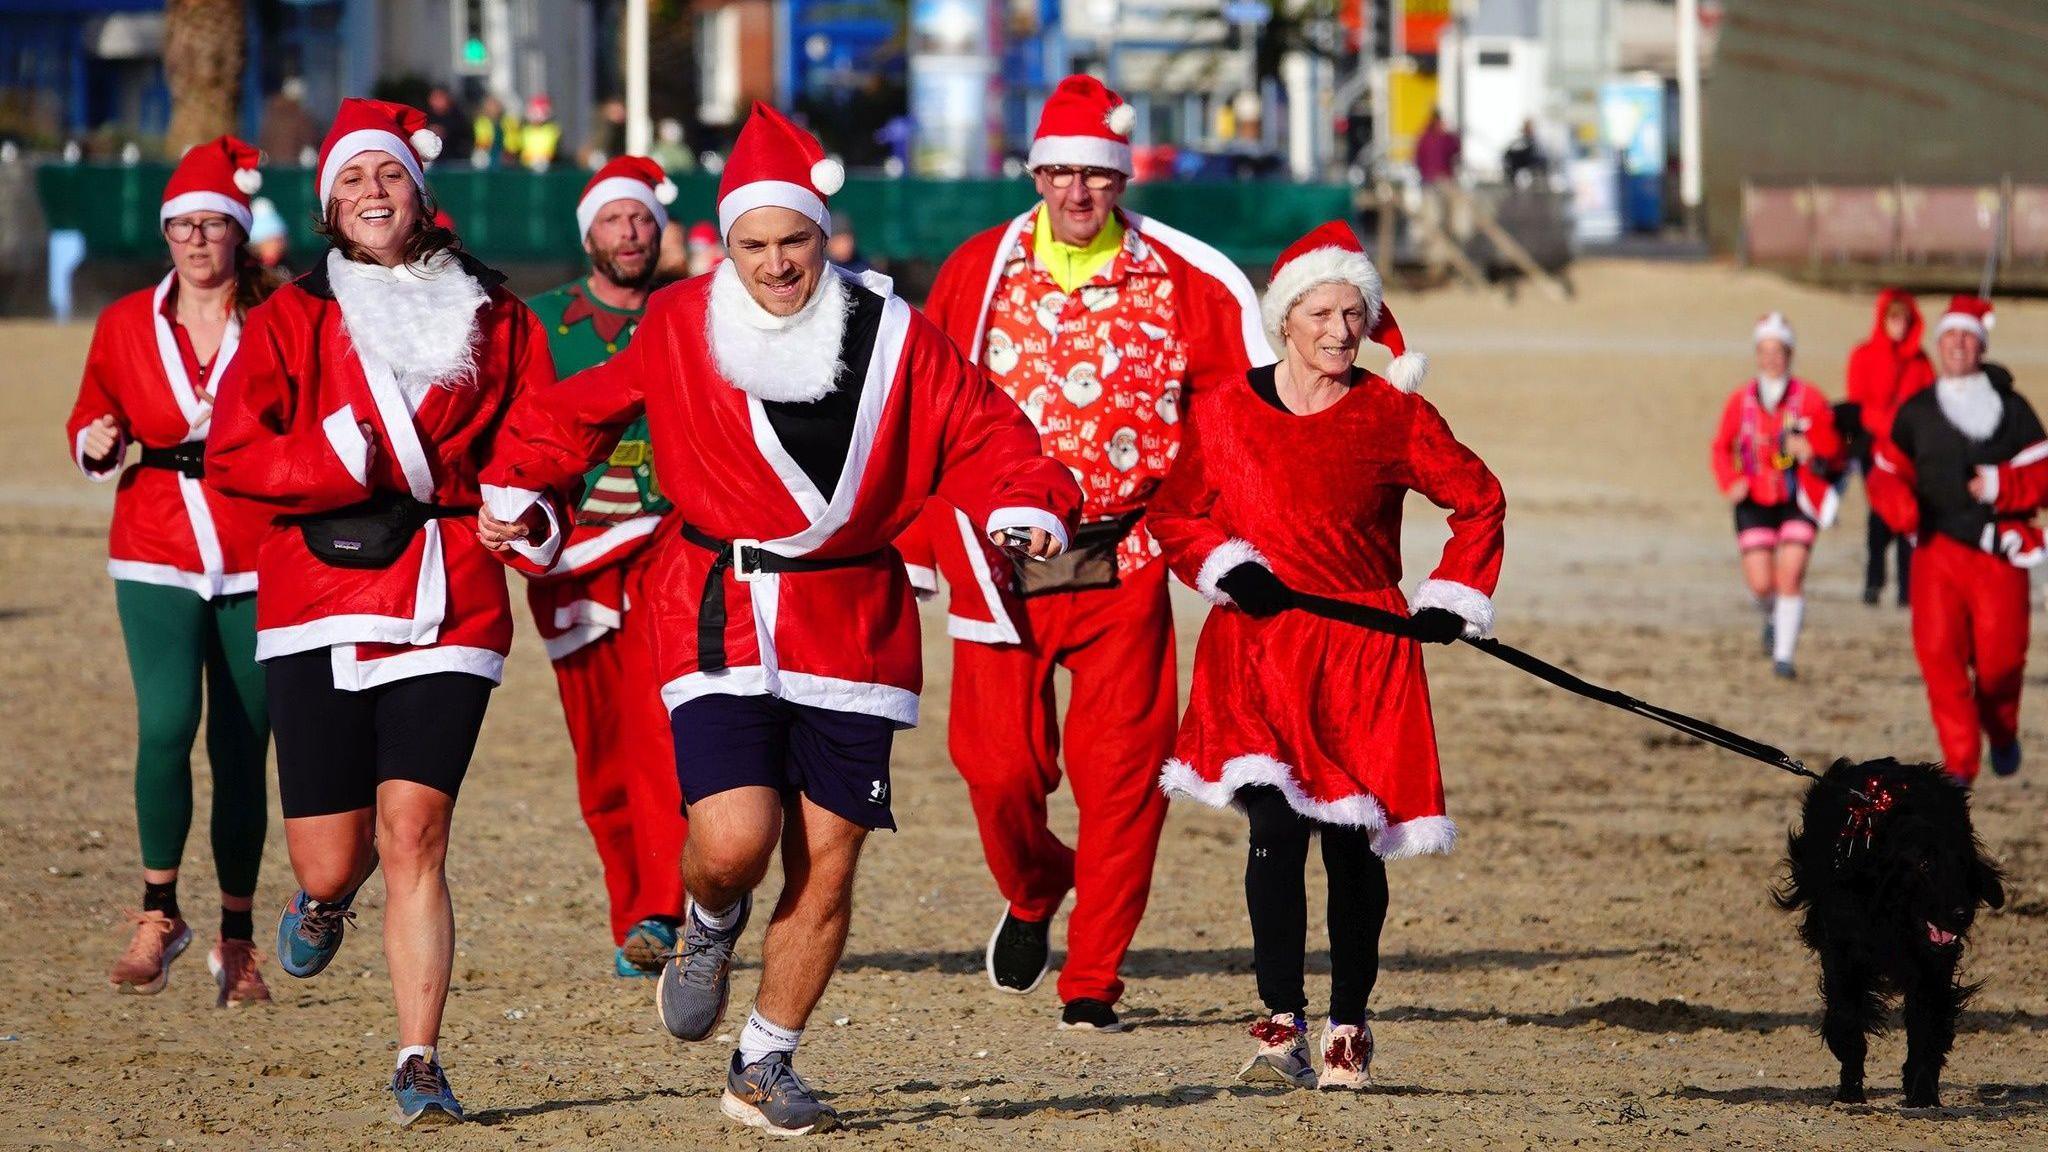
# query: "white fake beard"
[793,359]
[1772,391]
[420,320]
[1971,404]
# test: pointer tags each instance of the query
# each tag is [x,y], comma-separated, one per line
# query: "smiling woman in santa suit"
[1293,477]
[366,399]
[183,560]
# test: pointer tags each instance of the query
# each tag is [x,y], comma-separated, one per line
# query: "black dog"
[1890,881]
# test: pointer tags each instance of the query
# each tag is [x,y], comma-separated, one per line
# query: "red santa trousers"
[625,765]
[1970,625]
[1004,732]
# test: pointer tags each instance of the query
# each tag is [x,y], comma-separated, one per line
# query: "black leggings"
[1276,891]
[334,747]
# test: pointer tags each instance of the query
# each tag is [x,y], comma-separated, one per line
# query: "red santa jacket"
[285,434]
[1883,372]
[1750,445]
[1106,384]
[168,528]
[844,638]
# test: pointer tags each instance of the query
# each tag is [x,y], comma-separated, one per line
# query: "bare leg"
[732,838]
[332,855]
[808,932]
[1758,573]
[419,919]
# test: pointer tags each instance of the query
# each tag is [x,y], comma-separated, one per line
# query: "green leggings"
[175,640]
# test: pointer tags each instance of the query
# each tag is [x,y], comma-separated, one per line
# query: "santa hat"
[217,176]
[1967,314]
[377,126]
[1773,326]
[776,164]
[627,178]
[1331,255]
[1084,125]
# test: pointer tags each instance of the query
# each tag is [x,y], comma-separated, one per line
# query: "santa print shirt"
[1921,479]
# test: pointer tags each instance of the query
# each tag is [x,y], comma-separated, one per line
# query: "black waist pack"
[371,534]
[1089,563]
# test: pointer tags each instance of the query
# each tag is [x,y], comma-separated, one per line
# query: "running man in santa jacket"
[1777,433]
[587,606]
[1103,324]
[1964,472]
[800,418]
[183,559]
[1884,372]
[365,398]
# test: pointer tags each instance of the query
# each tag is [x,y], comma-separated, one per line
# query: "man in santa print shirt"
[1103,324]
[799,418]
[586,605]
[1964,471]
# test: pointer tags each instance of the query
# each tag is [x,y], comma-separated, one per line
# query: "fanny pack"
[371,534]
[1089,563]
[187,459]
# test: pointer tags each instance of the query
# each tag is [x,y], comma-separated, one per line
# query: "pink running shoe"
[145,967]
[235,973]
[1347,1056]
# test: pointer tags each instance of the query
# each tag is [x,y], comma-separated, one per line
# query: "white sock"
[1786,617]
[722,921]
[761,1038]
[411,1050]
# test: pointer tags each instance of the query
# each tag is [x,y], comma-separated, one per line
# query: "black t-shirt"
[1945,460]
[818,433]
[1266,382]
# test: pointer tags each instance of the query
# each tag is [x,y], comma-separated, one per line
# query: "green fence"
[517,216]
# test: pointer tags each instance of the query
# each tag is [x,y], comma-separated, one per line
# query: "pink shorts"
[1767,526]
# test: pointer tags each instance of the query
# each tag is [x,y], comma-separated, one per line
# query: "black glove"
[1437,625]
[1255,589]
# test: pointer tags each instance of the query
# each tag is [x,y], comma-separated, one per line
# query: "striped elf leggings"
[182,648]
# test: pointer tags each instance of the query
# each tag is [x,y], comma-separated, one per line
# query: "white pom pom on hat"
[828,176]
[427,143]
[665,191]
[1121,119]
[249,180]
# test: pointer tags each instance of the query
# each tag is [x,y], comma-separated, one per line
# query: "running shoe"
[1282,1054]
[1770,634]
[696,981]
[1347,1056]
[235,973]
[145,967]
[1086,1015]
[1019,953]
[647,946]
[308,936]
[2005,761]
[769,1095]
[420,1094]
[1784,670]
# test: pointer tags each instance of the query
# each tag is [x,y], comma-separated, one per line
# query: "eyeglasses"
[1096,179]
[180,230]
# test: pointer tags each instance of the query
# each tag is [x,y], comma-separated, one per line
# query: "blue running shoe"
[420,1094]
[309,936]
[648,947]
[624,969]
[2006,761]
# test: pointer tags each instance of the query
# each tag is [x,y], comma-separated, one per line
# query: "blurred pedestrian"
[1884,372]
[670,150]
[703,248]
[1524,158]
[539,137]
[1315,729]
[843,248]
[496,134]
[608,136]
[590,609]
[1965,471]
[183,560]
[455,127]
[1437,151]
[268,238]
[1771,454]
[368,394]
[1100,323]
[289,133]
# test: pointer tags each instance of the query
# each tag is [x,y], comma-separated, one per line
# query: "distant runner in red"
[1884,372]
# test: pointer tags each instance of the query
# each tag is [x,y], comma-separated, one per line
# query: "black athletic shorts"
[334,747]
[838,759]
[1769,525]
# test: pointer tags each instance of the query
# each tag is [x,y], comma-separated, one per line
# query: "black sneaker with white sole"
[1090,1016]
[1019,952]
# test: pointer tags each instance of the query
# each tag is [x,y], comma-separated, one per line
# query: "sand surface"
[1597,966]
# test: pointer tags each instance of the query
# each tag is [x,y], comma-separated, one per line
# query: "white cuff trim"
[509,504]
[1988,474]
[346,438]
[1220,561]
[923,579]
[113,468]
[1022,517]
[1471,605]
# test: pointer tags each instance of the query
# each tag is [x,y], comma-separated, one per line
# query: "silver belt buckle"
[740,571]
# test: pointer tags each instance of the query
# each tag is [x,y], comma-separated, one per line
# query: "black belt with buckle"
[749,562]
[188,458]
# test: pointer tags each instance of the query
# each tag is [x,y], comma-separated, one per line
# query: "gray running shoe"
[769,1095]
[1282,1054]
[697,980]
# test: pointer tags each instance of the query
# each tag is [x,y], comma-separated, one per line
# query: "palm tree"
[203,52]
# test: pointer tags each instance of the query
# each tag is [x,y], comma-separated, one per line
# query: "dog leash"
[1380,620]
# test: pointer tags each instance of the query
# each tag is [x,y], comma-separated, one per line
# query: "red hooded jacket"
[1883,373]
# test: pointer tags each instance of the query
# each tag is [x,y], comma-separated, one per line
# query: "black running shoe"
[1019,953]
[1090,1016]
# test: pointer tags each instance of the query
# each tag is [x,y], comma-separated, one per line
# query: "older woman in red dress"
[1293,477]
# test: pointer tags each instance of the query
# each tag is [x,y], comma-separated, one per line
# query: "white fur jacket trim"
[794,359]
